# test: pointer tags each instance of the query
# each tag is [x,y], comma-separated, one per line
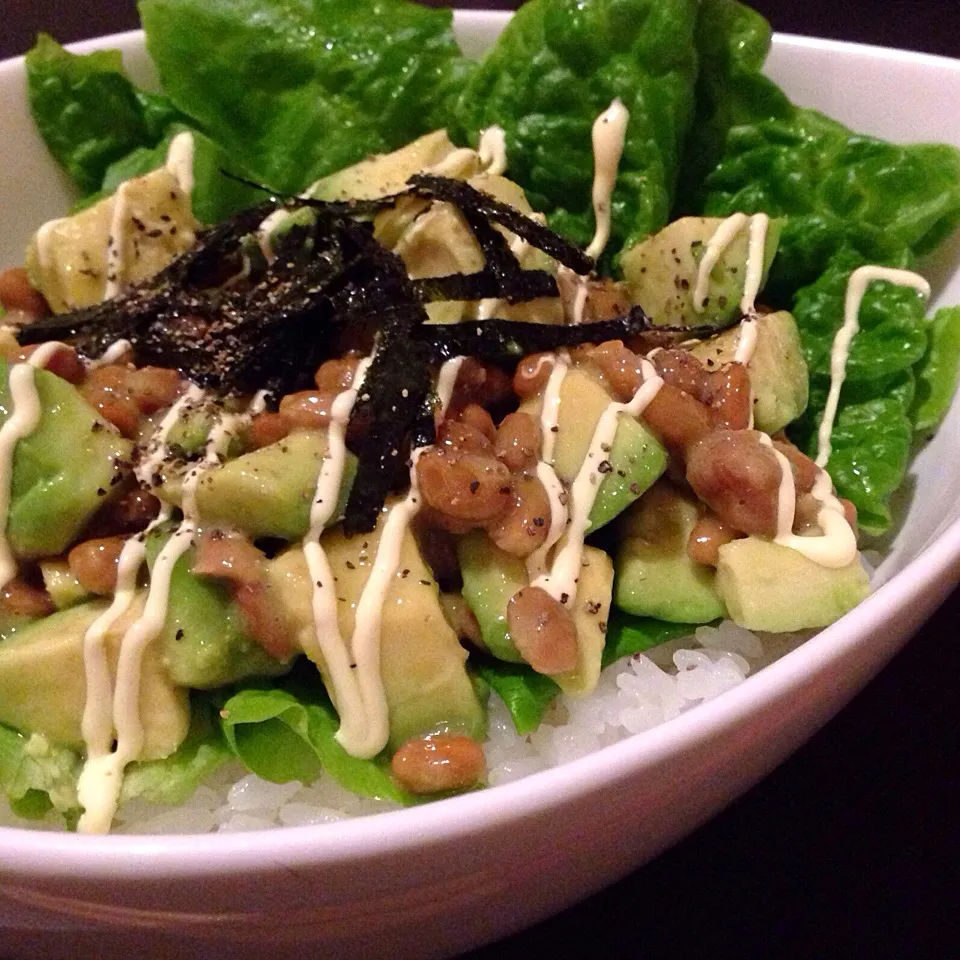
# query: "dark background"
[852,847]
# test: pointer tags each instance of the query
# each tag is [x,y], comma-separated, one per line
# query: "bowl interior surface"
[898,96]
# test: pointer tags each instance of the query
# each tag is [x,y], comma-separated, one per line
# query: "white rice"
[634,695]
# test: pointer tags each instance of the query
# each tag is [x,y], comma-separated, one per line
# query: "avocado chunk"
[43,687]
[268,492]
[655,575]
[63,472]
[775,589]
[204,643]
[661,272]
[422,664]
[386,173]
[67,258]
[636,456]
[491,577]
[60,582]
[778,370]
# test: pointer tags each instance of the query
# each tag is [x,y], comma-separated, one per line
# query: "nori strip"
[507,341]
[237,333]
[484,285]
[468,198]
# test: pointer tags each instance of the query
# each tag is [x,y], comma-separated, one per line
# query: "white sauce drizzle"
[115,352]
[860,280]
[21,422]
[45,240]
[358,686]
[723,236]
[117,244]
[265,230]
[179,164]
[836,546]
[326,642]
[180,161]
[549,416]
[561,580]
[609,136]
[493,150]
[102,775]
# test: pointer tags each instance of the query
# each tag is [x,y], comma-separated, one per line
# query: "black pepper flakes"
[474,486]
[605,466]
[351,565]
[179,635]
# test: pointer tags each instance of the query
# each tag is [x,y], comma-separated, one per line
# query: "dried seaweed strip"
[466,197]
[483,285]
[396,390]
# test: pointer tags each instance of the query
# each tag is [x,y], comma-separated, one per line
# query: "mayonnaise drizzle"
[857,286]
[326,644]
[115,352]
[609,135]
[723,236]
[549,416]
[357,687]
[102,775]
[180,161]
[21,421]
[836,545]
[493,150]
[561,580]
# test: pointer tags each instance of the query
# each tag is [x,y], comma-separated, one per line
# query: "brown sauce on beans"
[524,525]
[738,477]
[17,293]
[518,441]
[94,564]
[465,486]
[543,631]
[438,763]
[706,539]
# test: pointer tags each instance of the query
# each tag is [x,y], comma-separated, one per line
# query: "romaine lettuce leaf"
[557,65]
[732,42]
[295,89]
[173,779]
[893,329]
[38,776]
[837,190]
[286,732]
[87,111]
[526,693]
[937,375]
[627,634]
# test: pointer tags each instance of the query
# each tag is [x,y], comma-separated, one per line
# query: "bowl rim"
[57,855]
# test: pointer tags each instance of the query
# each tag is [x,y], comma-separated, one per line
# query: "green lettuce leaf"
[286,732]
[627,635]
[38,776]
[87,111]
[557,65]
[871,441]
[893,330]
[295,89]
[732,43]
[837,190]
[173,779]
[937,375]
[526,693]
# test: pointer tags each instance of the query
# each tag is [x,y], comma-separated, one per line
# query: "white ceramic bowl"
[442,878]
